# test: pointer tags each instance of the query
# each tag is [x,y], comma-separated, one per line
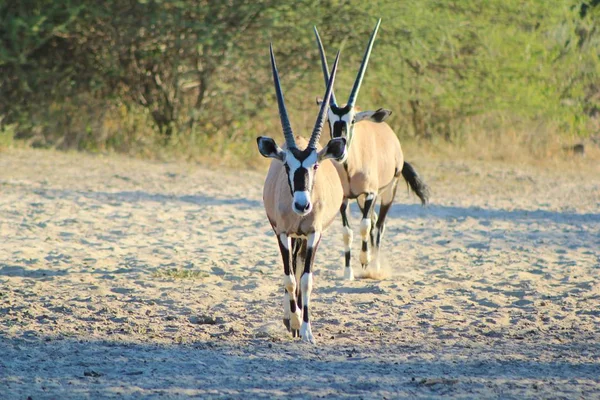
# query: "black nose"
[301,207]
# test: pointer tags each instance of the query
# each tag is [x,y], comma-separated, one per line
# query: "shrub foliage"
[119,73]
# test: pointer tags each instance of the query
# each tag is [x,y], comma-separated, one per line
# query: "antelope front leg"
[365,229]
[306,284]
[348,273]
[291,313]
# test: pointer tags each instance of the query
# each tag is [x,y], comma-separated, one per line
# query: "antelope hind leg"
[365,228]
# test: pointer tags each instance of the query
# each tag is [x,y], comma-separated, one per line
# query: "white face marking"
[348,117]
[310,160]
[293,164]
[331,118]
[291,161]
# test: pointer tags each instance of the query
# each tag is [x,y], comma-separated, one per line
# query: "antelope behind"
[374,165]
[302,195]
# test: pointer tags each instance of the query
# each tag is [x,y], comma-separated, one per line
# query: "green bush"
[137,75]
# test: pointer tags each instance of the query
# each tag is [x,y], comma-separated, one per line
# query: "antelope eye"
[316,166]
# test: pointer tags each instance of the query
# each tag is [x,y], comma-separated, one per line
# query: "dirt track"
[123,278]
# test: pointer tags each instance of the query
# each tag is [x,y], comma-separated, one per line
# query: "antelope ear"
[268,148]
[373,116]
[335,148]
[318,100]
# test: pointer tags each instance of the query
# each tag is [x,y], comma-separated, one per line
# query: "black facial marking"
[287,172]
[339,129]
[337,148]
[301,176]
[301,179]
[340,111]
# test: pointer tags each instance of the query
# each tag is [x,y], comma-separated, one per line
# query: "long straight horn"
[316,134]
[283,114]
[363,67]
[324,64]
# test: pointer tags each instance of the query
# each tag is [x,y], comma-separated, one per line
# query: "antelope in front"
[374,164]
[302,195]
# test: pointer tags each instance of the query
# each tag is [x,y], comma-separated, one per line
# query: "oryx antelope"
[302,195]
[374,165]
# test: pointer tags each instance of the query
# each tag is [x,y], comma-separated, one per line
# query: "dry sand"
[122,278]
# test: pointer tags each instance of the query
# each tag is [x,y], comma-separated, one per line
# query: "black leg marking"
[286,322]
[381,222]
[367,211]
[310,255]
[285,255]
[383,212]
[347,240]
[343,209]
[373,224]
[368,205]
[308,263]
[360,207]
[305,314]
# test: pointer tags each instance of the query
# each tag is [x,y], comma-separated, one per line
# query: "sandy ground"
[122,278]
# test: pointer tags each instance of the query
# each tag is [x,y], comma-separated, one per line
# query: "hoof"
[306,333]
[296,320]
[348,274]
[365,258]
[286,322]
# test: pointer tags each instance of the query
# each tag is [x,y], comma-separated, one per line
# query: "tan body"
[374,159]
[374,165]
[327,196]
[302,194]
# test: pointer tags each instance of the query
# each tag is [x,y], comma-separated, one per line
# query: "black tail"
[416,183]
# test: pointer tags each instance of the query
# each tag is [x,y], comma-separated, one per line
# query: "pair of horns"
[361,72]
[283,114]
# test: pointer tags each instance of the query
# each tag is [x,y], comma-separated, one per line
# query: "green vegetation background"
[192,78]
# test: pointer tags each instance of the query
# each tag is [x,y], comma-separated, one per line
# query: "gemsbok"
[373,167]
[302,195]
